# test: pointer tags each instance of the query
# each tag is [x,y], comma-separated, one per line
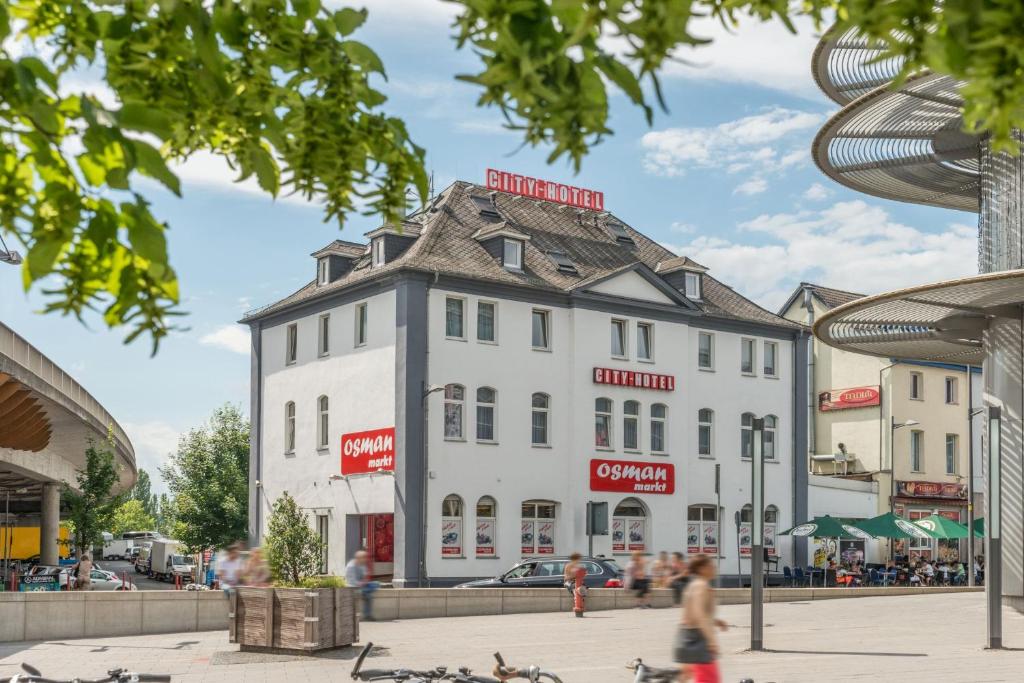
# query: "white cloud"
[752,186]
[878,253]
[153,442]
[682,228]
[234,338]
[817,192]
[733,145]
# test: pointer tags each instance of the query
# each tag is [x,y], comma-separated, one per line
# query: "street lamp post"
[423,580]
[993,523]
[757,536]
[893,426]
[971,414]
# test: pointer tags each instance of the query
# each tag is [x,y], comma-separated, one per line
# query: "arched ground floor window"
[629,526]
[486,527]
[538,527]
[451,526]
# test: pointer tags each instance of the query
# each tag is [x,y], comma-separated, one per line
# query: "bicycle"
[530,673]
[650,674]
[404,675]
[33,675]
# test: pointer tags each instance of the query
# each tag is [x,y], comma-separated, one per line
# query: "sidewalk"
[927,637]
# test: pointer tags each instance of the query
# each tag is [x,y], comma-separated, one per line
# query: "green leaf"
[95,172]
[145,118]
[267,173]
[41,257]
[362,55]
[348,20]
[150,162]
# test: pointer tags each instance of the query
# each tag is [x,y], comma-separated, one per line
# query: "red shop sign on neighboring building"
[632,378]
[841,399]
[931,489]
[370,451]
[625,476]
[546,190]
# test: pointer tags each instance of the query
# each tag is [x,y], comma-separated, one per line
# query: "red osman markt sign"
[625,476]
[549,191]
[841,399]
[370,451]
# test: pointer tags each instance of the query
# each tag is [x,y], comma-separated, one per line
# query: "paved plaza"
[937,637]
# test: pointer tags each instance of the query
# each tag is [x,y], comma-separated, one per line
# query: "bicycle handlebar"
[359,660]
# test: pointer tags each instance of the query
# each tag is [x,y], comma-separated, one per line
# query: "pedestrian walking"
[697,649]
[83,573]
[229,568]
[357,576]
[660,571]
[638,582]
[575,582]
[679,576]
[256,571]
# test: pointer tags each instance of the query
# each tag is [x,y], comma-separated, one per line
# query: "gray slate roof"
[829,297]
[446,246]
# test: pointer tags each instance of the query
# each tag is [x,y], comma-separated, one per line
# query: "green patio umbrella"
[938,526]
[827,527]
[891,526]
[979,527]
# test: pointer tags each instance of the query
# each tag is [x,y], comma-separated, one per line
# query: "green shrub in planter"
[293,549]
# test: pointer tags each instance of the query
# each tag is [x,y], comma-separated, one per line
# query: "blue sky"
[725,177]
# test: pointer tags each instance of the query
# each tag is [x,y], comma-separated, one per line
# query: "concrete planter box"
[293,619]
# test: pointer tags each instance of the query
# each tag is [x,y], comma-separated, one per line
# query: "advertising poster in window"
[637,536]
[618,535]
[711,538]
[545,538]
[693,538]
[527,537]
[769,539]
[485,537]
[451,536]
[746,538]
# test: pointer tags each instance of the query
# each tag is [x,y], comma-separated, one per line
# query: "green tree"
[284,93]
[208,478]
[164,514]
[142,492]
[90,503]
[131,515]
[292,547]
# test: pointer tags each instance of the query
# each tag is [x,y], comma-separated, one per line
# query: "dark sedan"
[548,572]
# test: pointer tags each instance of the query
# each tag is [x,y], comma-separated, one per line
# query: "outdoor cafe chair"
[799,578]
[787,576]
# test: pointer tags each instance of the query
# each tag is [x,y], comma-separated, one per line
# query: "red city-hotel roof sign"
[546,190]
[632,378]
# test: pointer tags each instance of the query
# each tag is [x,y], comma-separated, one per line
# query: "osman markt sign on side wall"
[843,399]
[546,190]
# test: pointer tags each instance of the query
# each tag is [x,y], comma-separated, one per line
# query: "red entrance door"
[378,533]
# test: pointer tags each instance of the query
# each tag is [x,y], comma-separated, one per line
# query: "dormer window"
[693,286]
[513,254]
[377,252]
[322,276]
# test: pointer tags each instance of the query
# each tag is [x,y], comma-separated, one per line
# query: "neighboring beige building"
[855,401]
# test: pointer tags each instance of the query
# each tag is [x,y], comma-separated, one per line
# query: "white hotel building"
[514,359]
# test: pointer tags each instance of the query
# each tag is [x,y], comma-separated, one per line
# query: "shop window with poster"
[451,527]
[629,526]
[702,530]
[486,527]
[746,530]
[771,522]
[537,536]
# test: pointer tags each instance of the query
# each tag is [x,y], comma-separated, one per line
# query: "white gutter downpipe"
[812,446]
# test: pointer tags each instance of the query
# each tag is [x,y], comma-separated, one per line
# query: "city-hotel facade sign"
[545,190]
[632,378]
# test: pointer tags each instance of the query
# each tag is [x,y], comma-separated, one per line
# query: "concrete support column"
[49,525]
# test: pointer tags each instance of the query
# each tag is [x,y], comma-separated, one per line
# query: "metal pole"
[970,478]
[757,540]
[892,480]
[718,522]
[994,554]
[739,569]
[7,541]
[590,529]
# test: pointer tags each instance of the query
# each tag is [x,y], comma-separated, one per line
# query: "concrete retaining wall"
[51,616]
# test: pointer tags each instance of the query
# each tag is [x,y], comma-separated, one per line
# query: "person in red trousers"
[575,577]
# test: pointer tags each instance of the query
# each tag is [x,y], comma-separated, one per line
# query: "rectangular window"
[454,401]
[513,253]
[485,399]
[324,337]
[361,320]
[541,330]
[539,424]
[291,352]
[321,271]
[692,286]
[618,338]
[705,351]
[454,327]
[603,423]
[952,443]
[289,427]
[747,353]
[705,423]
[771,351]
[377,249]
[951,390]
[916,450]
[644,341]
[631,425]
[916,386]
[659,415]
[322,530]
[485,319]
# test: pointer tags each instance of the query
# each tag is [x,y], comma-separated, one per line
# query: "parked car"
[100,580]
[548,572]
[65,574]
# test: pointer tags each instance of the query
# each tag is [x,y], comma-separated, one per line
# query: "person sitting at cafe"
[960,577]
[914,573]
[929,573]
[855,575]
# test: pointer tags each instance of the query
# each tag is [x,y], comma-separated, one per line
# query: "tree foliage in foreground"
[284,93]
[91,504]
[208,478]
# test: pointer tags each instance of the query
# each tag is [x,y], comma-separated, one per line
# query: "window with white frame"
[748,356]
[321,271]
[951,391]
[917,386]
[631,425]
[952,451]
[486,321]
[771,527]
[513,254]
[451,527]
[377,253]
[705,432]
[702,529]
[771,353]
[771,424]
[644,341]
[454,406]
[746,529]
[705,351]
[323,531]
[537,530]
[324,336]
[540,419]
[486,527]
[618,338]
[659,428]
[454,321]
[361,324]
[289,427]
[747,435]
[692,283]
[916,450]
[322,423]
[291,348]
[603,423]
[629,526]
[541,329]
[486,397]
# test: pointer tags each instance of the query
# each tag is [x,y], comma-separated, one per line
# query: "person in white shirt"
[229,567]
